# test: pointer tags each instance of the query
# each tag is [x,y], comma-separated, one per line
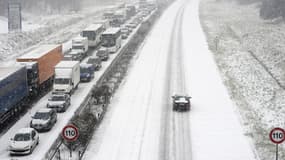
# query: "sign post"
[277,136]
[70,133]
[14,16]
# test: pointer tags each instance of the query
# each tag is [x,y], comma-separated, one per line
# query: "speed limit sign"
[277,135]
[70,133]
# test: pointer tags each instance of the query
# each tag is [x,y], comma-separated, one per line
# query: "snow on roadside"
[52,29]
[249,54]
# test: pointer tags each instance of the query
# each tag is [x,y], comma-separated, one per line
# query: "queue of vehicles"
[47,67]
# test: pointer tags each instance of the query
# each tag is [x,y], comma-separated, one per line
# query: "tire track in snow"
[175,130]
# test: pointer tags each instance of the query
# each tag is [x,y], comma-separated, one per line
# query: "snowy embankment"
[249,53]
[54,29]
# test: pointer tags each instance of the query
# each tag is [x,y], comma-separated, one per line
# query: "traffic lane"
[178,133]
[216,131]
[47,139]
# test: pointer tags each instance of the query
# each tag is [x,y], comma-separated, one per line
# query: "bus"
[93,34]
[111,39]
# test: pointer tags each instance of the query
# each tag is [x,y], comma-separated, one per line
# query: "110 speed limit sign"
[277,135]
[70,133]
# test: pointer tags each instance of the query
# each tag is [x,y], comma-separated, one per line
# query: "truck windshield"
[22,137]
[62,81]
[77,47]
[108,42]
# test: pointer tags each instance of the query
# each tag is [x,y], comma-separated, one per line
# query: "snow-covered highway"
[140,123]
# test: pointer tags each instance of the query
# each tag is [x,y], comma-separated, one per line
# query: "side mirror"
[12,139]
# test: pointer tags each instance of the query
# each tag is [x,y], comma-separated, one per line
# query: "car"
[131,25]
[44,119]
[125,33]
[96,62]
[59,102]
[103,54]
[181,102]
[24,141]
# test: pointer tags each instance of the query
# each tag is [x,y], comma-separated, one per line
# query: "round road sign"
[277,135]
[70,133]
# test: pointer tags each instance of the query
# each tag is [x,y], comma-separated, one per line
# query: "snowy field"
[53,29]
[140,123]
[250,54]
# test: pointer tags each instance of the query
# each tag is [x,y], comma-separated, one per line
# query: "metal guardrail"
[108,72]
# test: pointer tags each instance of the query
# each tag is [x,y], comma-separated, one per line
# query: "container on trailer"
[47,56]
[13,90]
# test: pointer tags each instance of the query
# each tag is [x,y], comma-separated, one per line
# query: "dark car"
[44,119]
[103,54]
[86,72]
[181,102]
[96,62]
[59,102]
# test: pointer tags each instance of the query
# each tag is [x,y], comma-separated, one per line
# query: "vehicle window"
[42,115]
[84,70]
[22,137]
[61,81]
[57,98]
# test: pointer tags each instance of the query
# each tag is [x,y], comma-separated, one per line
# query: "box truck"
[67,77]
[79,48]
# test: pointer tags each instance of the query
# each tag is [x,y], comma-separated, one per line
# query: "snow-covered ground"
[27,26]
[140,123]
[53,29]
[249,53]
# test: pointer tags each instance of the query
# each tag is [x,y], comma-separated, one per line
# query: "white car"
[24,141]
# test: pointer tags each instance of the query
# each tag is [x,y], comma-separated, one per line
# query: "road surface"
[140,123]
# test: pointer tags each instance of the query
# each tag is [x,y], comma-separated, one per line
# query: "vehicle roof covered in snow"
[85,65]
[112,30]
[93,27]
[25,130]
[39,51]
[6,71]
[66,64]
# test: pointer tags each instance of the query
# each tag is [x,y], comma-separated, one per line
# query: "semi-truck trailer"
[40,64]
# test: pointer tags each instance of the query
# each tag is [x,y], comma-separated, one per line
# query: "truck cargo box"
[13,87]
[47,57]
[67,76]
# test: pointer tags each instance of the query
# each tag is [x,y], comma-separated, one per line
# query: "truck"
[67,77]
[104,22]
[93,34]
[86,72]
[79,47]
[40,63]
[13,91]
[131,11]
